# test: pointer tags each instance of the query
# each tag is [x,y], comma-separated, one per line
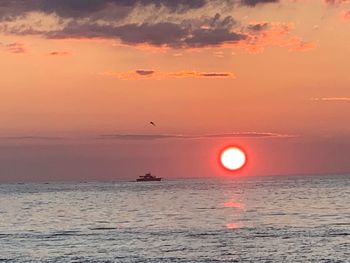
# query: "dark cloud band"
[257,2]
[84,8]
[108,19]
[87,8]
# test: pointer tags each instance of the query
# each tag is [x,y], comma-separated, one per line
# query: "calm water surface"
[256,219]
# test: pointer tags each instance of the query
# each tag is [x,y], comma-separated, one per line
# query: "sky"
[82,79]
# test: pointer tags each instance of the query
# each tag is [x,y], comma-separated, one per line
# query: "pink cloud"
[346,15]
[265,34]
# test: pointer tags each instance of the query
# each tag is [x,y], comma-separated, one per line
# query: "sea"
[219,219]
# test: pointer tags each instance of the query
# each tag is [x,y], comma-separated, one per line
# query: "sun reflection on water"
[233,204]
[235,211]
[232,225]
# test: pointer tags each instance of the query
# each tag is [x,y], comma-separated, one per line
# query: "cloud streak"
[16,48]
[331,99]
[32,138]
[154,74]
[143,72]
[59,53]
[205,136]
[335,2]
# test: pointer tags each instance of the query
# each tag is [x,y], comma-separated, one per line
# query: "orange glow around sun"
[233,158]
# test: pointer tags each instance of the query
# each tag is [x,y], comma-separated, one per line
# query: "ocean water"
[248,219]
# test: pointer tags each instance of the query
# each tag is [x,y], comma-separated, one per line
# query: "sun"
[233,158]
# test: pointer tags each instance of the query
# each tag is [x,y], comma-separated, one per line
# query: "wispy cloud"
[32,138]
[138,137]
[204,136]
[155,74]
[336,2]
[252,3]
[264,34]
[17,48]
[332,99]
[59,53]
[143,72]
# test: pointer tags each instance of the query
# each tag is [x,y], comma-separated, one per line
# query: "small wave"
[341,224]
[6,260]
[65,233]
[339,234]
[103,228]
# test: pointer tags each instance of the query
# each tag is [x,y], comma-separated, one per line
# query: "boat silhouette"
[148,177]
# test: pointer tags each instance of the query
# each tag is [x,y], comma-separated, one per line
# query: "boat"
[148,177]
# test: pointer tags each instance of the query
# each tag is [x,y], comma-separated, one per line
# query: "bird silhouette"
[152,123]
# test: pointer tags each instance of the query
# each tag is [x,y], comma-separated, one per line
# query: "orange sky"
[84,70]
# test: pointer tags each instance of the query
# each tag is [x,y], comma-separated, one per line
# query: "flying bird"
[152,123]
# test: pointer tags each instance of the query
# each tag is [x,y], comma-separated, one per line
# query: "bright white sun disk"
[233,158]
